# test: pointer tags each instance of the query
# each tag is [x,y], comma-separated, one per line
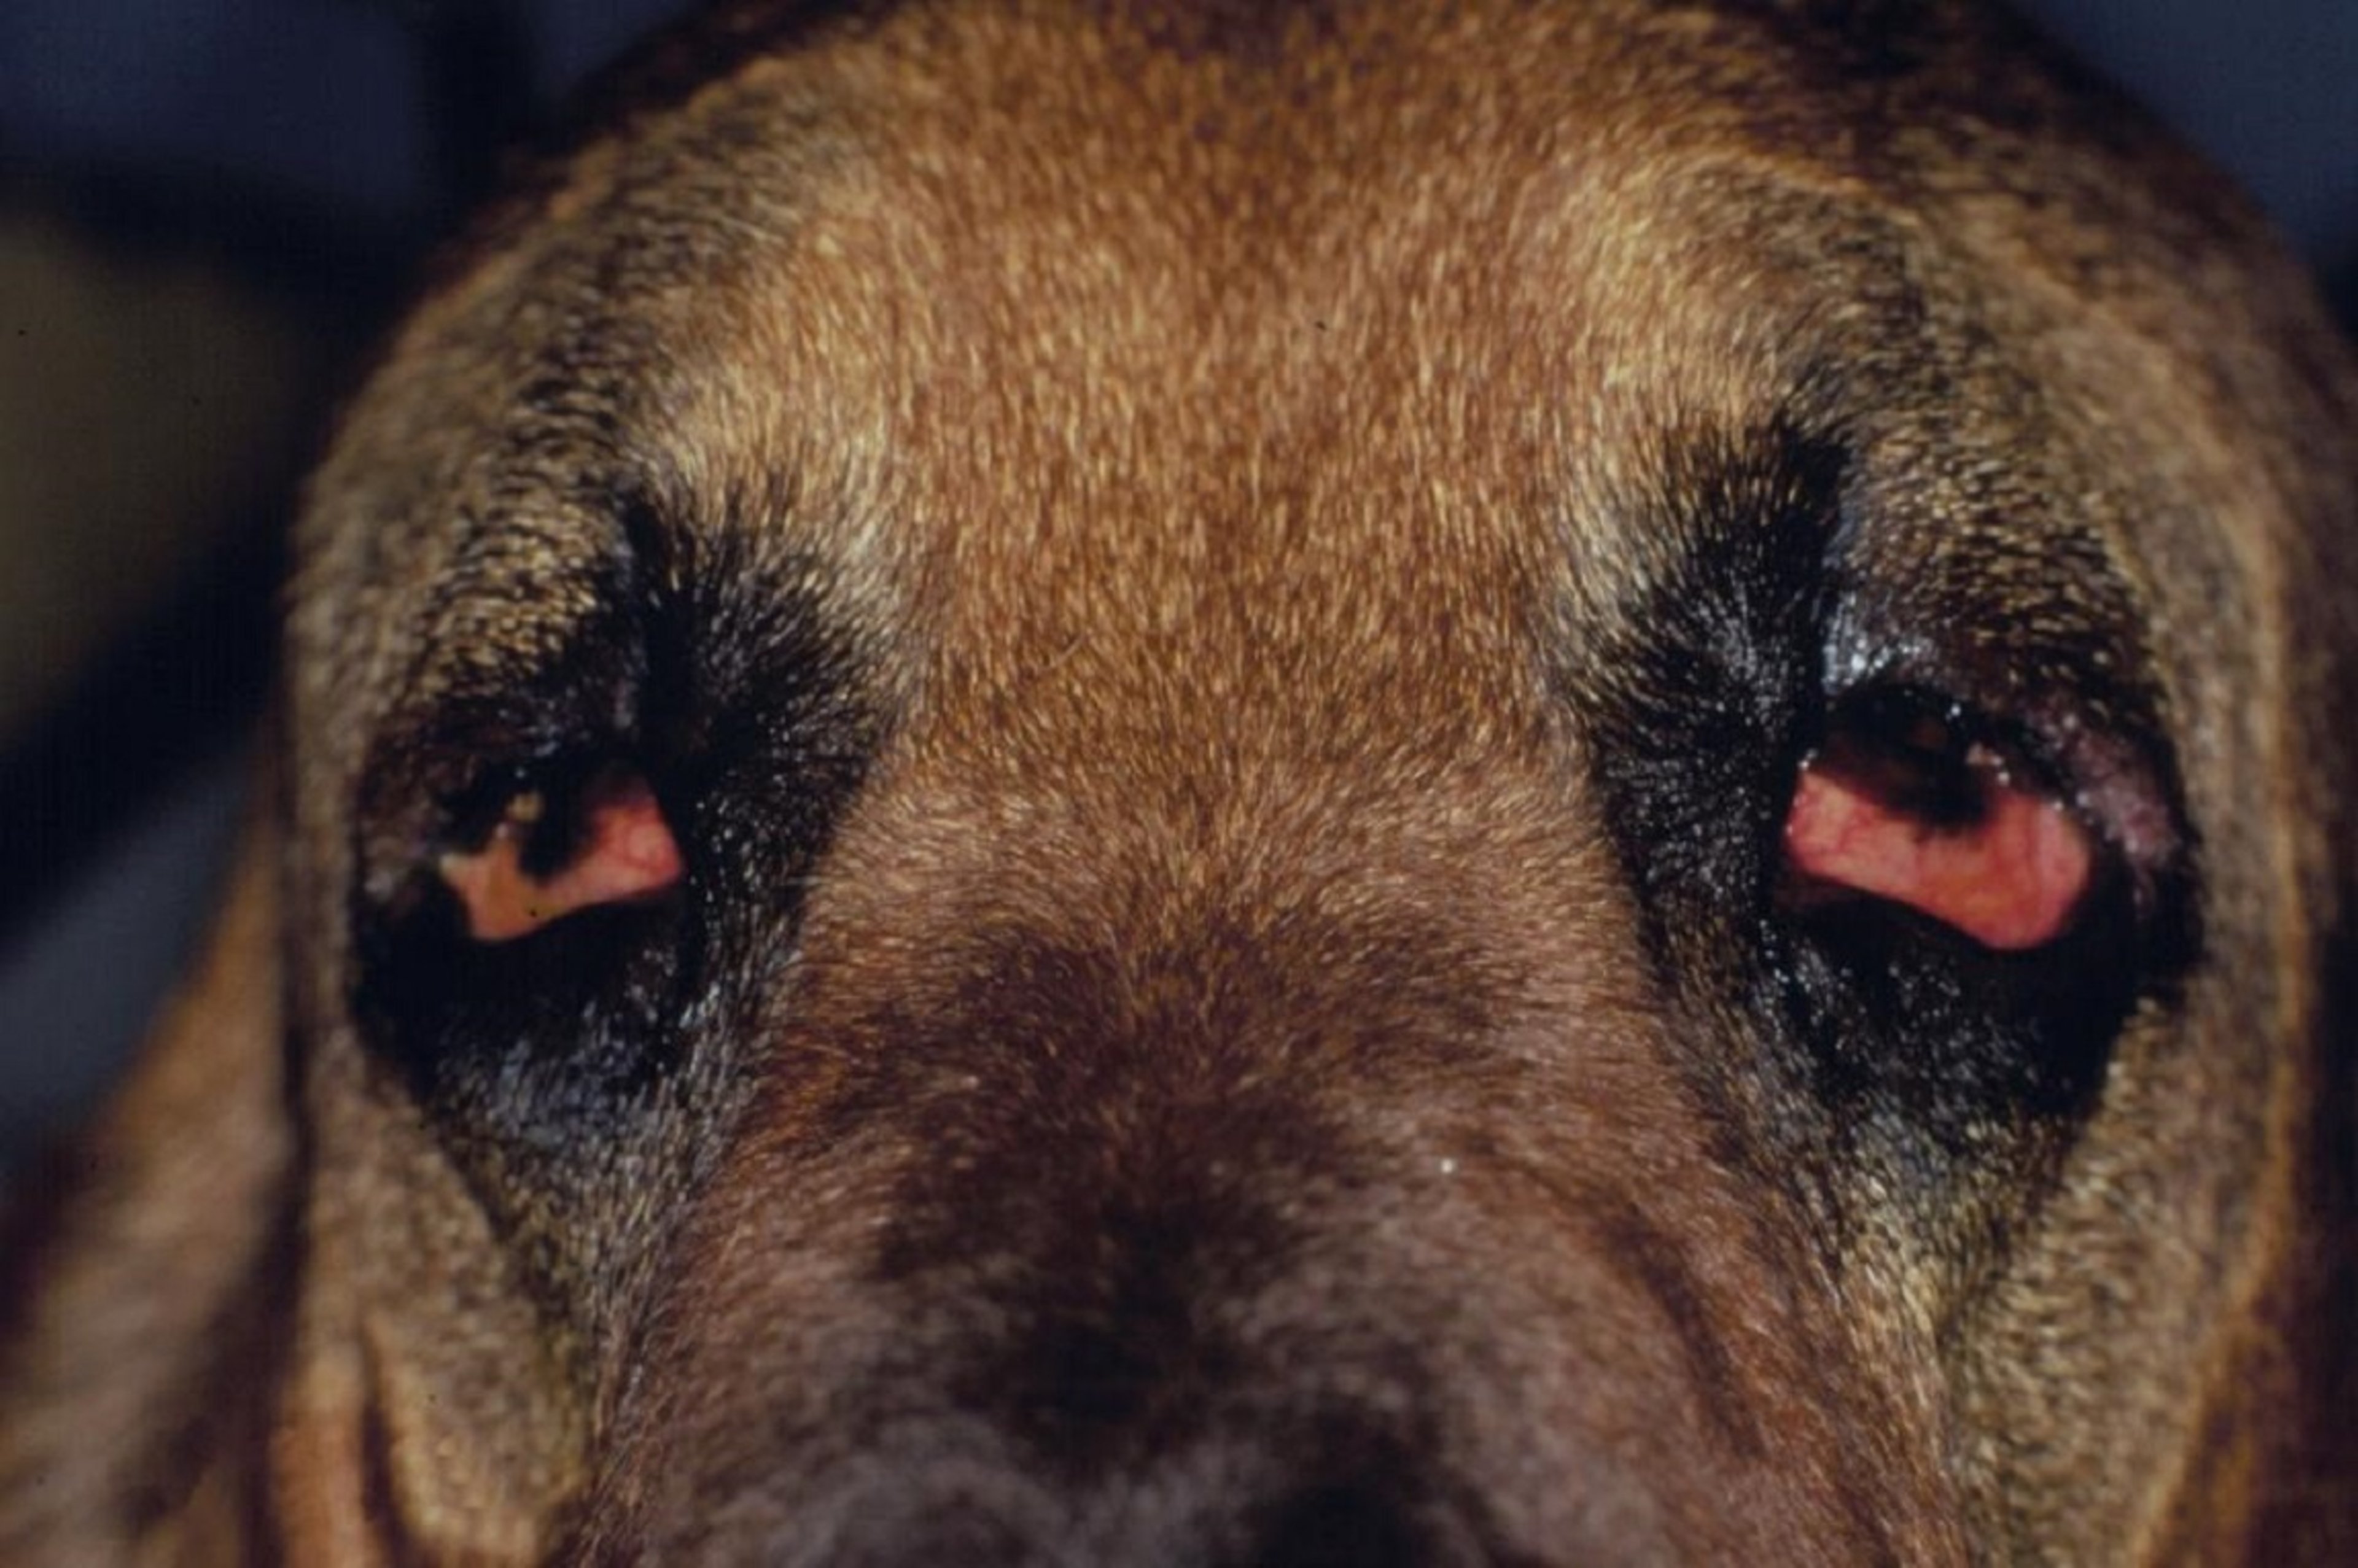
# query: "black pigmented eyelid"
[560,783]
[1885,711]
[2025,755]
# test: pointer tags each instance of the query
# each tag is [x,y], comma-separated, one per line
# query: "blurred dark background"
[207,207]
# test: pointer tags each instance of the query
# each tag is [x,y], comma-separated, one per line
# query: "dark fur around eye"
[1924,1053]
[722,678]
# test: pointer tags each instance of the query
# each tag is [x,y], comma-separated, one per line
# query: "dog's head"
[1368,782]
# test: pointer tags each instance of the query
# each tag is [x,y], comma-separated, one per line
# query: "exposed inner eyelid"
[2094,745]
[619,850]
[2012,879]
[423,771]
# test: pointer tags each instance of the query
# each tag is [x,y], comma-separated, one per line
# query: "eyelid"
[2012,879]
[621,851]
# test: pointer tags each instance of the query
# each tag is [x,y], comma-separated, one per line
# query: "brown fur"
[1149,537]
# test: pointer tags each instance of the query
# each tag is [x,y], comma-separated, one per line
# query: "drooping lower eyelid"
[2114,785]
[2014,880]
[618,848]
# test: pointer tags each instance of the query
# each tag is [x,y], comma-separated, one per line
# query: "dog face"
[1366,783]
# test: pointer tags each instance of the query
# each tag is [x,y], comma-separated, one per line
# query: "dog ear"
[143,1238]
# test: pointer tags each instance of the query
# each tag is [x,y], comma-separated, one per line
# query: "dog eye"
[549,853]
[1906,800]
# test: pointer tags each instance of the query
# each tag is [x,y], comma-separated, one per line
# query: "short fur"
[1224,600]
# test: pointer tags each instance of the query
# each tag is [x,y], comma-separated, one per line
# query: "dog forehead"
[1068,335]
[991,267]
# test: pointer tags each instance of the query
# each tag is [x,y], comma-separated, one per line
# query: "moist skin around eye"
[623,851]
[2010,873]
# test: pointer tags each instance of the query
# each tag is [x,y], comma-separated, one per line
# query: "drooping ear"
[123,1389]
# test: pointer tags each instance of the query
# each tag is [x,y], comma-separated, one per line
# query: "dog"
[1085,782]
